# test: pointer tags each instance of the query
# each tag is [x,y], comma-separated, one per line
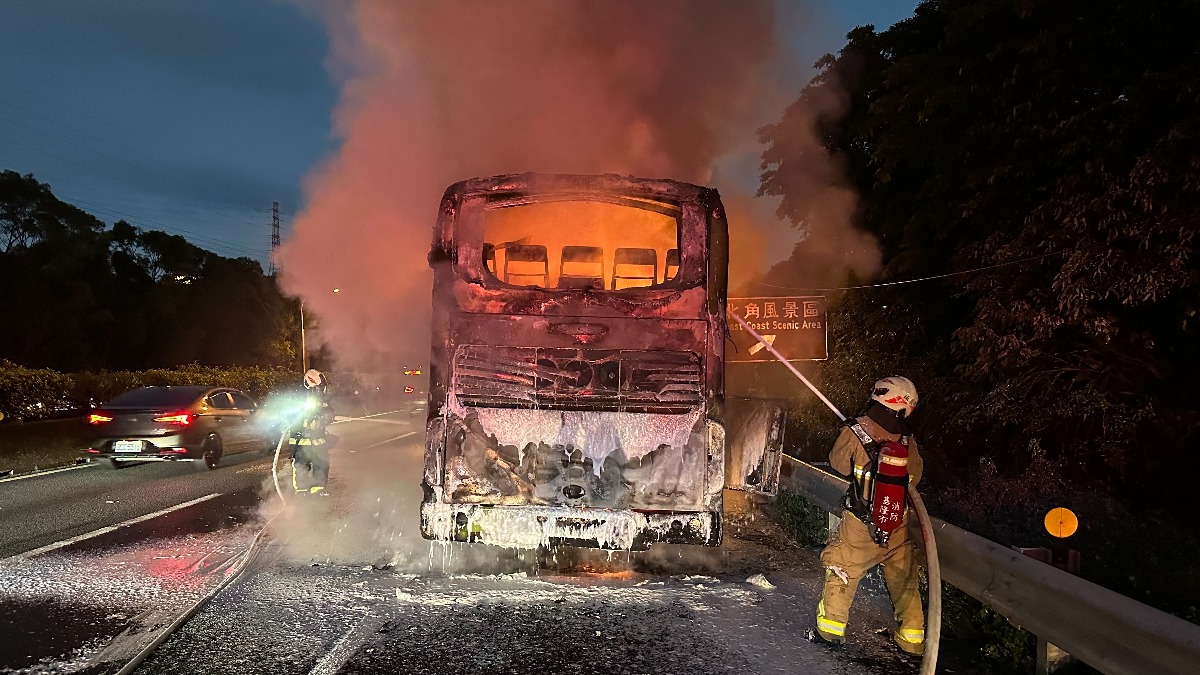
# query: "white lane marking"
[105,530]
[390,412]
[337,657]
[338,419]
[375,445]
[376,422]
[45,473]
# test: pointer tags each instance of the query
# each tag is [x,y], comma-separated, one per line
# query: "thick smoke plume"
[435,92]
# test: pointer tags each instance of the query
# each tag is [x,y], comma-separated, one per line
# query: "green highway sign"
[795,326]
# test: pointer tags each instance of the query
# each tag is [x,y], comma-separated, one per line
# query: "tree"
[1056,144]
[83,297]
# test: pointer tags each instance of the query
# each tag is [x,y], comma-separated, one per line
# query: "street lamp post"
[303,341]
[304,336]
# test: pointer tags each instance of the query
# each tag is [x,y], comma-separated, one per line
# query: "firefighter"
[308,440]
[856,546]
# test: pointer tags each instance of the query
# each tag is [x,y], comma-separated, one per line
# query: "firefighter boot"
[907,646]
[900,575]
[828,639]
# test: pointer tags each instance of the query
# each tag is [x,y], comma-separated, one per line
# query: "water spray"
[290,416]
[933,568]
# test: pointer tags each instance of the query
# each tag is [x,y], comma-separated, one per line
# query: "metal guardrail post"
[1102,628]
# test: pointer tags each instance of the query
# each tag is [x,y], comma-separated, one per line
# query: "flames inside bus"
[576,369]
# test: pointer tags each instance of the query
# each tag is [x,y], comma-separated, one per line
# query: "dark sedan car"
[175,423]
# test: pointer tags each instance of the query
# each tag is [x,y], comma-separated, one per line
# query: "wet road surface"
[345,584]
[91,556]
[431,615]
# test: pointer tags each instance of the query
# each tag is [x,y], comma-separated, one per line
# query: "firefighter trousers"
[310,466]
[852,551]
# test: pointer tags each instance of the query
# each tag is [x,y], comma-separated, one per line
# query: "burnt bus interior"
[583,244]
[575,380]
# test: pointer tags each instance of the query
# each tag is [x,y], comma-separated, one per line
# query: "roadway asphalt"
[90,555]
[338,591]
[40,510]
[345,584]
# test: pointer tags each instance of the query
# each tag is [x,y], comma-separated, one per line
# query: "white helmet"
[313,378]
[897,393]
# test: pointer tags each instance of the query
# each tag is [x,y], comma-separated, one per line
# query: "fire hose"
[235,573]
[275,466]
[290,423]
[933,631]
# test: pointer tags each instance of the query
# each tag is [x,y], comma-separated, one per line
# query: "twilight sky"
[192,117]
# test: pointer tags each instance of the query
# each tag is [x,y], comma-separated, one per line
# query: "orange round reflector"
[1061,522]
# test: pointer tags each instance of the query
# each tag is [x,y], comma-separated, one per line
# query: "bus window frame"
[468,244]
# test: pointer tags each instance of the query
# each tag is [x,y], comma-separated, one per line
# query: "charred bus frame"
[576,403]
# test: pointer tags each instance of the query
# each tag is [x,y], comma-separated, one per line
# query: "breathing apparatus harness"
[878,490]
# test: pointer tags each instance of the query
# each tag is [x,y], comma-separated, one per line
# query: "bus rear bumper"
[531,527]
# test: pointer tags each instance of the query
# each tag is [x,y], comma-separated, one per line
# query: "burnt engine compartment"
[616,460]
[664,381]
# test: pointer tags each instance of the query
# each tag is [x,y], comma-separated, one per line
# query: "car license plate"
[127,446]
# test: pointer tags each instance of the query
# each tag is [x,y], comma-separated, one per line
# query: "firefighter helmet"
[897,393]
[313,378]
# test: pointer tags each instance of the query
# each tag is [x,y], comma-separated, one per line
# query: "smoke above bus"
[433,93]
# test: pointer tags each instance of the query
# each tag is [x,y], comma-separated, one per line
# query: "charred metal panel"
[463,286]
[593,332]
[752,455]
[435,450]
[581,459]
[560,378]
[533,526]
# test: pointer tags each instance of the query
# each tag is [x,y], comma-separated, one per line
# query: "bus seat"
[523,263]
[672,266]
[489,257]
[581,267]
[634,267]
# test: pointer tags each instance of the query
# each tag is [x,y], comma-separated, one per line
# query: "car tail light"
[182,419]
[98,418]
[93,451]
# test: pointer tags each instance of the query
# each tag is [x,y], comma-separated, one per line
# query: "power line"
[150,204]
[95,206]
[191,182]
[206,240]
[183,173]
[274,235]
[138,220]
[913,281]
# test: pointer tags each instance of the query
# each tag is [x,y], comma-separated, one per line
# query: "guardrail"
[1104,629]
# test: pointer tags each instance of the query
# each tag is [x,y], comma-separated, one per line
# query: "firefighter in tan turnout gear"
[860,543]
[308,441]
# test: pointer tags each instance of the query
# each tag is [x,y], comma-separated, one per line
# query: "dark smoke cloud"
[435,92]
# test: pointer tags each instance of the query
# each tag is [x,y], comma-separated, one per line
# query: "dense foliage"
[32,394]
[82,296]
[1060,141]
[1043,160]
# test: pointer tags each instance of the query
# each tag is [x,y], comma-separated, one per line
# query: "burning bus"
[577,364]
